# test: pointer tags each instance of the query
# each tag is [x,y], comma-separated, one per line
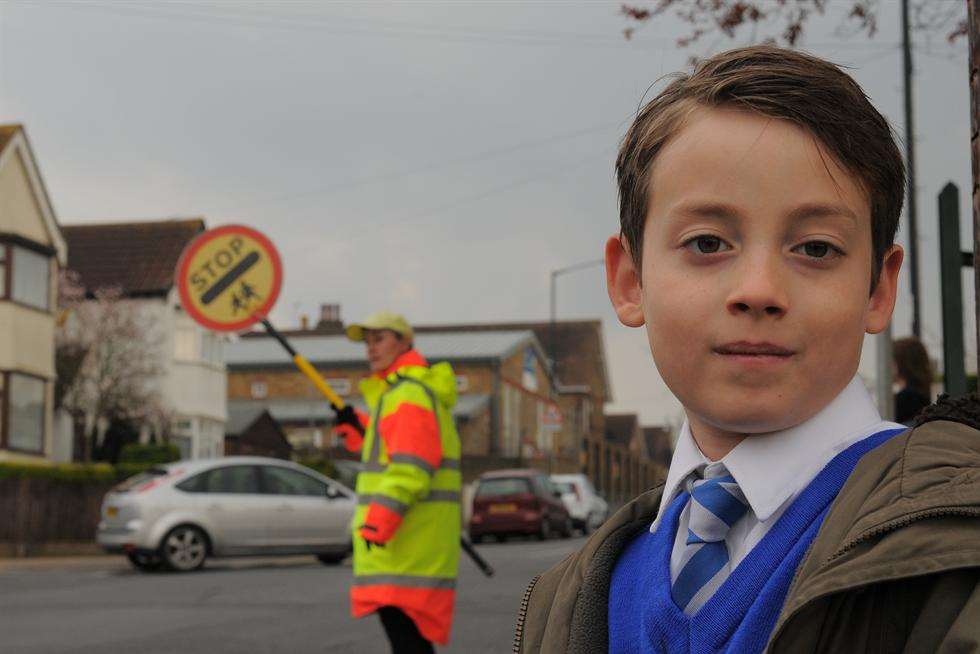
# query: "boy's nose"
[758,289]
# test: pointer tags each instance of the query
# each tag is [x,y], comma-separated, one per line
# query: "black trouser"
[402,632]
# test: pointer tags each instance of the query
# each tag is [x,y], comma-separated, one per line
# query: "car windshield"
[494,487]
[139,479]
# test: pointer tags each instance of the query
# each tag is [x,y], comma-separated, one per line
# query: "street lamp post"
[554,299]
[553,359]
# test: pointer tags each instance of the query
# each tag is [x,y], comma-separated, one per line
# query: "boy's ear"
[623,283]
[882,301]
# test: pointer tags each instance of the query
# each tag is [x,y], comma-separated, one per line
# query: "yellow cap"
[380,320]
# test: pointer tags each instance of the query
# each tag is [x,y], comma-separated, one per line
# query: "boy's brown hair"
[810,92]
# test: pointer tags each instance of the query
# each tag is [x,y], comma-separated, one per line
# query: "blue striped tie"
[715,505]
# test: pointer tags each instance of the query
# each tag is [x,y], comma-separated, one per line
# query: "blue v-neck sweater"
[740,616]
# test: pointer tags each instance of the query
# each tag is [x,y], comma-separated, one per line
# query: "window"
[3,270]
[340,385]
[564,487]
[30,278]
[462,383]
[25,419]
[229,479]
[259,390]
[195,484]
[282,481]
[505,486]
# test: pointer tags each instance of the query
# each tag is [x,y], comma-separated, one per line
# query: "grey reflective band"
[388,502]
[400,507]
[446,464]
[410,581]
[374,456]
[413,460]
[442,496]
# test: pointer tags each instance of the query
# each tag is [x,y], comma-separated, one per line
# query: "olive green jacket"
[895,566]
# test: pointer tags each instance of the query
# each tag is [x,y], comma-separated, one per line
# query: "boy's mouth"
[750,349]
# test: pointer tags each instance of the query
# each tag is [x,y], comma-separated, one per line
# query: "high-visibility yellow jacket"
[409,496]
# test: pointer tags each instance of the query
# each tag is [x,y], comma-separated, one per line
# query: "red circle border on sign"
[184,264]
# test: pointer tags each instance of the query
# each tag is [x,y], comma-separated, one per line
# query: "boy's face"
[756,273]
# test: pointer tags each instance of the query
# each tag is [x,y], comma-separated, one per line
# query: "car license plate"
[112,511]
[503,508]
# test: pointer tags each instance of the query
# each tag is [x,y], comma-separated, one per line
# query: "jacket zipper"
[898,523]
[880,530]
[522,615]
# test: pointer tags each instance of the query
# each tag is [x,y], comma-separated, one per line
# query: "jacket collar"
[410,358]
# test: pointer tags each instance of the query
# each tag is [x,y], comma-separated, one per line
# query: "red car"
[514,502]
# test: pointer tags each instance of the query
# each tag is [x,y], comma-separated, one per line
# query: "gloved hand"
[369,533]
[348,416]
[350,424]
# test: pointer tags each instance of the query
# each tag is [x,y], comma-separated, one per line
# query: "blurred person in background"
[406,531]
[913,378]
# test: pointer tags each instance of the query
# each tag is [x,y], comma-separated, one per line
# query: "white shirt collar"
[773,468]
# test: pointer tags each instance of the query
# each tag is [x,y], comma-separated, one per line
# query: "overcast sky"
[437,159]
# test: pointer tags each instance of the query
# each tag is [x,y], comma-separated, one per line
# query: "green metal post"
[950,276]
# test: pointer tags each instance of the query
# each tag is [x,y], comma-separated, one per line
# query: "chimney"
[304,322]
[330,322]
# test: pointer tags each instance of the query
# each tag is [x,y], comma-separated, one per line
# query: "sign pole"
[305,367]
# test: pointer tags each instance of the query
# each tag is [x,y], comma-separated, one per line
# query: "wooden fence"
[39,512]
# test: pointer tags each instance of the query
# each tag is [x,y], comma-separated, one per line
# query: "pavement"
[100,604]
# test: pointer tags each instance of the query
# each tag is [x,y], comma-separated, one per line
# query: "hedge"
[73,472]
[136,453]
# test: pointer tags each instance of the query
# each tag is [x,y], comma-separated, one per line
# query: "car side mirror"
[557,494]
[332,493]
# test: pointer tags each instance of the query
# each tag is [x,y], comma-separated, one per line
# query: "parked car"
[179,514]
[587,508]
[510,502]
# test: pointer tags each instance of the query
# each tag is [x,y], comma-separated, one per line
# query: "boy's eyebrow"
[822,210]
[709,210]
[802,212]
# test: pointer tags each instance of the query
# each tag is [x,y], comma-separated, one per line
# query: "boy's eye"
[706,244]
[818,250]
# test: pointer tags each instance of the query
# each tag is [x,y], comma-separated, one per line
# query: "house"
[140,259]
[32,250]
[253,431]
[505,391]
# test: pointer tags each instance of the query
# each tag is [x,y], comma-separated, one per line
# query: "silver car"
[584,504]
[176,515]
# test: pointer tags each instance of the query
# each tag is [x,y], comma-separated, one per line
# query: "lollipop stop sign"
[229,278]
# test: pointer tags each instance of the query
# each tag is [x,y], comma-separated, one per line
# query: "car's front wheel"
[184,548]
